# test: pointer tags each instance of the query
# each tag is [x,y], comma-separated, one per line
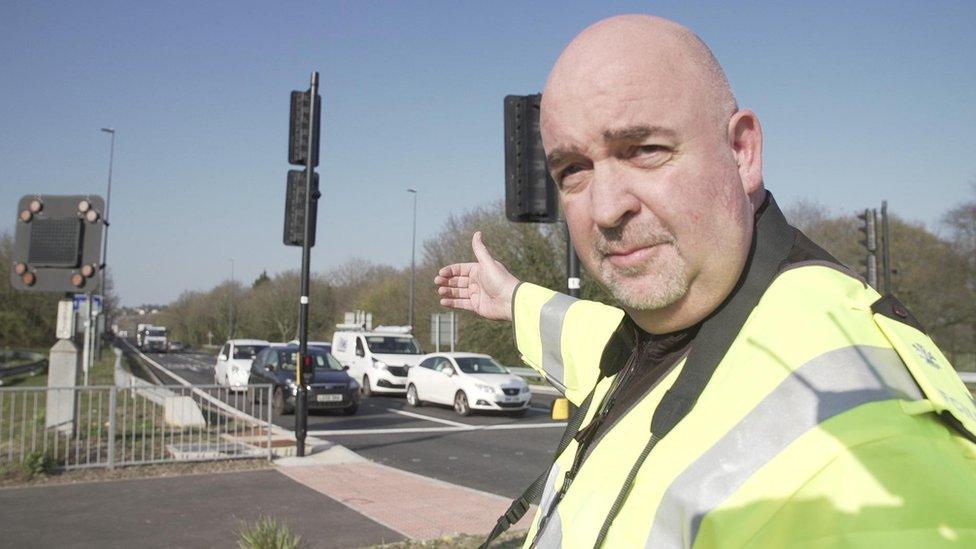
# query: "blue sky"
[860,101]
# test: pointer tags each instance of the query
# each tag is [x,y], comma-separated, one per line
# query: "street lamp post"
[108,202]
[233,289]
[413,253]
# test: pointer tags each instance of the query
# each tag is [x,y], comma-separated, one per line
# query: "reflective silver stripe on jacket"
[549,534]
[551,320]
[824,387]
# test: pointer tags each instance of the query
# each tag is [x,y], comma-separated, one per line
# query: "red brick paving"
[416,506]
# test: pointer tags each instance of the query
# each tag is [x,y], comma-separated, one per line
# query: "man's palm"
[484,287]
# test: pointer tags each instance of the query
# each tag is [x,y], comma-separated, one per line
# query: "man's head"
[659,172]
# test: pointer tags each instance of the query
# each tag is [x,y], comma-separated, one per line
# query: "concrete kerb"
[178,410]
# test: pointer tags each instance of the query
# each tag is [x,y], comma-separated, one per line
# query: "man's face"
[648,182]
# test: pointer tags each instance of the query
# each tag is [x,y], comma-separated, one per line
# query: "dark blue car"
[331,387]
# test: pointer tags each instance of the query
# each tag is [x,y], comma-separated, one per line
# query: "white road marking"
[431,418]
[537,409]
[408,430]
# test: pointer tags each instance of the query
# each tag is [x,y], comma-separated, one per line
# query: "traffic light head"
[298,128]
[868,226]
[530,193]
[294,233]
[58,243]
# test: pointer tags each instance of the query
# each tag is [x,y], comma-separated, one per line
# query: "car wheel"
[278,403]
[350,410]
[413,398]
[367,388]
[461,404]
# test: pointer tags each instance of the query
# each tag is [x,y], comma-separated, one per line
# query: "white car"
[467,381]
[378,359]
[234,362]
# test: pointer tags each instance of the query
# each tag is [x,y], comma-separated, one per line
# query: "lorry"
[153,338]
[377,358]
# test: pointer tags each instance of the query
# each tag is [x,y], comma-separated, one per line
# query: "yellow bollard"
[560,409]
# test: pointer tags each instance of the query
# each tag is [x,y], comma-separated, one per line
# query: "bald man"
[750,390]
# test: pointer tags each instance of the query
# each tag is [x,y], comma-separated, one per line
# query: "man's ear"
[746,140]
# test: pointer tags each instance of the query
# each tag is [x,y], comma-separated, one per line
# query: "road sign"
[81,304]
[443,330]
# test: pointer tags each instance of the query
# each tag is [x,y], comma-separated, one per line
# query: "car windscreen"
[479,365]
[393,345]
[157,332]
[247,351]
[320,360]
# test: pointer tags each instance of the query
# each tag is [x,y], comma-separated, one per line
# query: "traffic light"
[58,243]
[298,128]
[530,193]
[868,228]
[294,233]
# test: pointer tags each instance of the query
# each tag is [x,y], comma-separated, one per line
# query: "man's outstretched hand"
[485,288]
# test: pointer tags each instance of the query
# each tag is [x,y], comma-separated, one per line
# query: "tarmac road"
[495,453]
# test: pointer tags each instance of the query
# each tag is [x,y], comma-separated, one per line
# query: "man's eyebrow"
[559,155]
[636,133]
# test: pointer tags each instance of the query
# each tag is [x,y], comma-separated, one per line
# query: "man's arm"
[561,337]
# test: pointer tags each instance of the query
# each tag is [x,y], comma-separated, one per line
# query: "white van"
[378,358]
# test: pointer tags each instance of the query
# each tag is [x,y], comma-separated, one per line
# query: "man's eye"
[569,170]
[649,149]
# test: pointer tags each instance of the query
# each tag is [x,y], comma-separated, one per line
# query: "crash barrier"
[15,363]
[108,426]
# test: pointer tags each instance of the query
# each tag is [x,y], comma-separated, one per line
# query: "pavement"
[188,511]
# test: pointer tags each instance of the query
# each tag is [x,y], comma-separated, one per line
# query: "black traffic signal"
[869,232]
[298,128]
[294,233]
[530,193]
[58,243]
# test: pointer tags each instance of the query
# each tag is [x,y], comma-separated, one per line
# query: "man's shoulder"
[818,290]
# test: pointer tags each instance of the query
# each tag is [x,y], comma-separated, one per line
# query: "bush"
[37,464]
[267,533]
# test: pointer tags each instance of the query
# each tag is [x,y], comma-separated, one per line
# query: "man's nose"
[611,199]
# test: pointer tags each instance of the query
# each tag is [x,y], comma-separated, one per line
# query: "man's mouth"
[631,257]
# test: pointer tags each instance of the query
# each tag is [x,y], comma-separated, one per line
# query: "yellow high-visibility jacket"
[830,421]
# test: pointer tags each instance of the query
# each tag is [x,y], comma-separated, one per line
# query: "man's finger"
[462,293]
[480,251]
[462,304]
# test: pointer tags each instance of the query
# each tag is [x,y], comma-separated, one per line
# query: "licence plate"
[511,399]
[328,398]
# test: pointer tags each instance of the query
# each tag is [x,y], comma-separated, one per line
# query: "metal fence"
[108,426]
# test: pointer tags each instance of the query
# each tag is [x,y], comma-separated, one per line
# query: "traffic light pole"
[885,249]
[572,266]
[301,398]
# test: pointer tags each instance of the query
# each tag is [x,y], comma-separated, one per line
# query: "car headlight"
[353,385]
[485,388]
[526,389]
[379,364]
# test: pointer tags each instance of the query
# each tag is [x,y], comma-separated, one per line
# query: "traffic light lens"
[77,280]
[28,279]
[26,216]
[91,216]
[20,268]
[87,271]
[36,206]
[84,206]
